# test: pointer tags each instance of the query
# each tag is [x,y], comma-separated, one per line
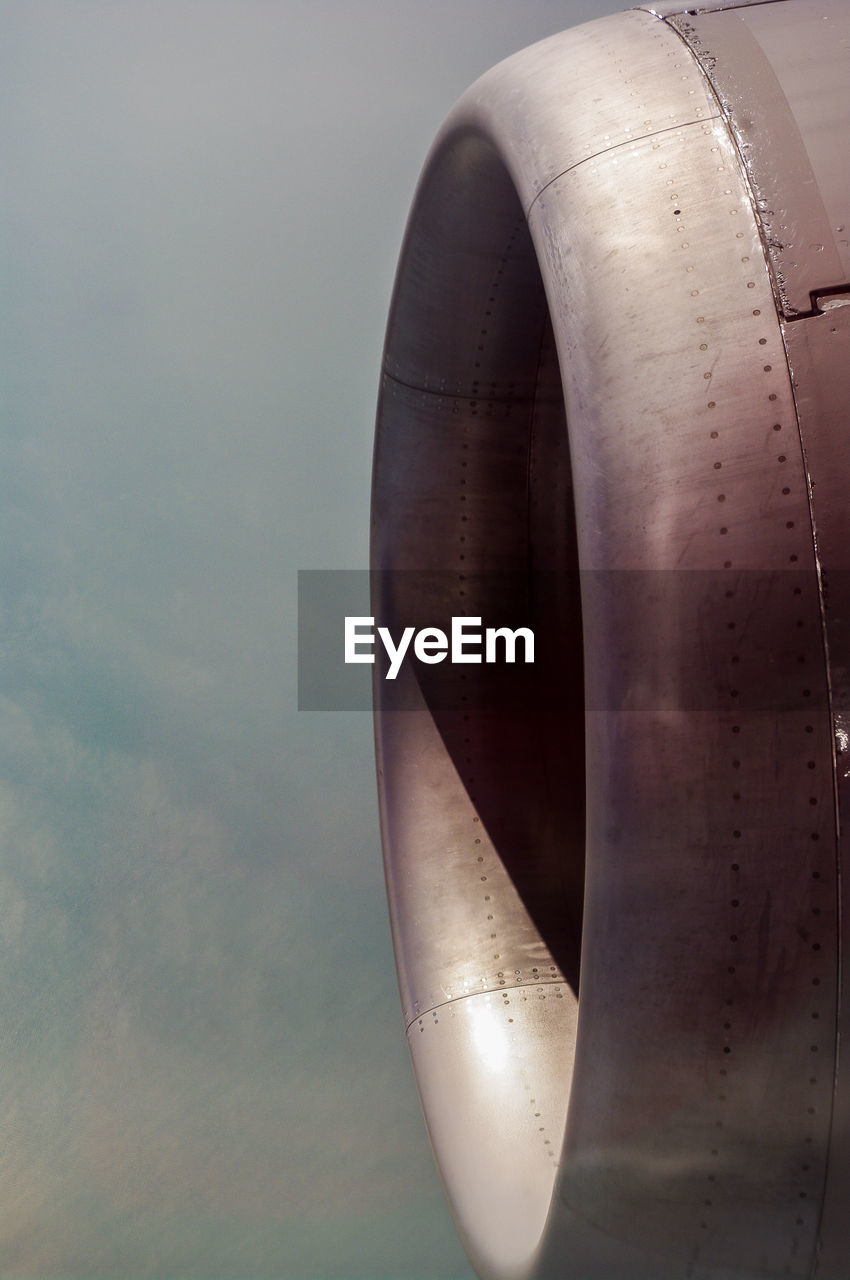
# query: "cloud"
[203,1061]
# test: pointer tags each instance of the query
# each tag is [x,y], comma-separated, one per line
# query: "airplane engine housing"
[614,409]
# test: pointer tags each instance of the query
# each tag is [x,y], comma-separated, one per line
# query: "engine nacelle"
[615,409]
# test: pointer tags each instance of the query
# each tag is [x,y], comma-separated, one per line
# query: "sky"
[203,1064]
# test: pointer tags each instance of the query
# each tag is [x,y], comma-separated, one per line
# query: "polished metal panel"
[782,75]
[588,391]
[673,1143]
[491,1070]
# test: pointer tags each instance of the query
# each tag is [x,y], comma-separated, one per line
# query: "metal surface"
[819,354]
[587,384]
[673,8]
[782,74]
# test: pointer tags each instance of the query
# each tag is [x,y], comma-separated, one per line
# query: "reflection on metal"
[829,301]
[618,360]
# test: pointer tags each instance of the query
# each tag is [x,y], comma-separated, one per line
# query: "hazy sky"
[203,1070]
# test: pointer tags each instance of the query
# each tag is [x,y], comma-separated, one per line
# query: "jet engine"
[615,410]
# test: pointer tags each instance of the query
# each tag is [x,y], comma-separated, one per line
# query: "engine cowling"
[614,409]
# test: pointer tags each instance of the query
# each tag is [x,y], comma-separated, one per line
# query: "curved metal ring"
[615,900]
